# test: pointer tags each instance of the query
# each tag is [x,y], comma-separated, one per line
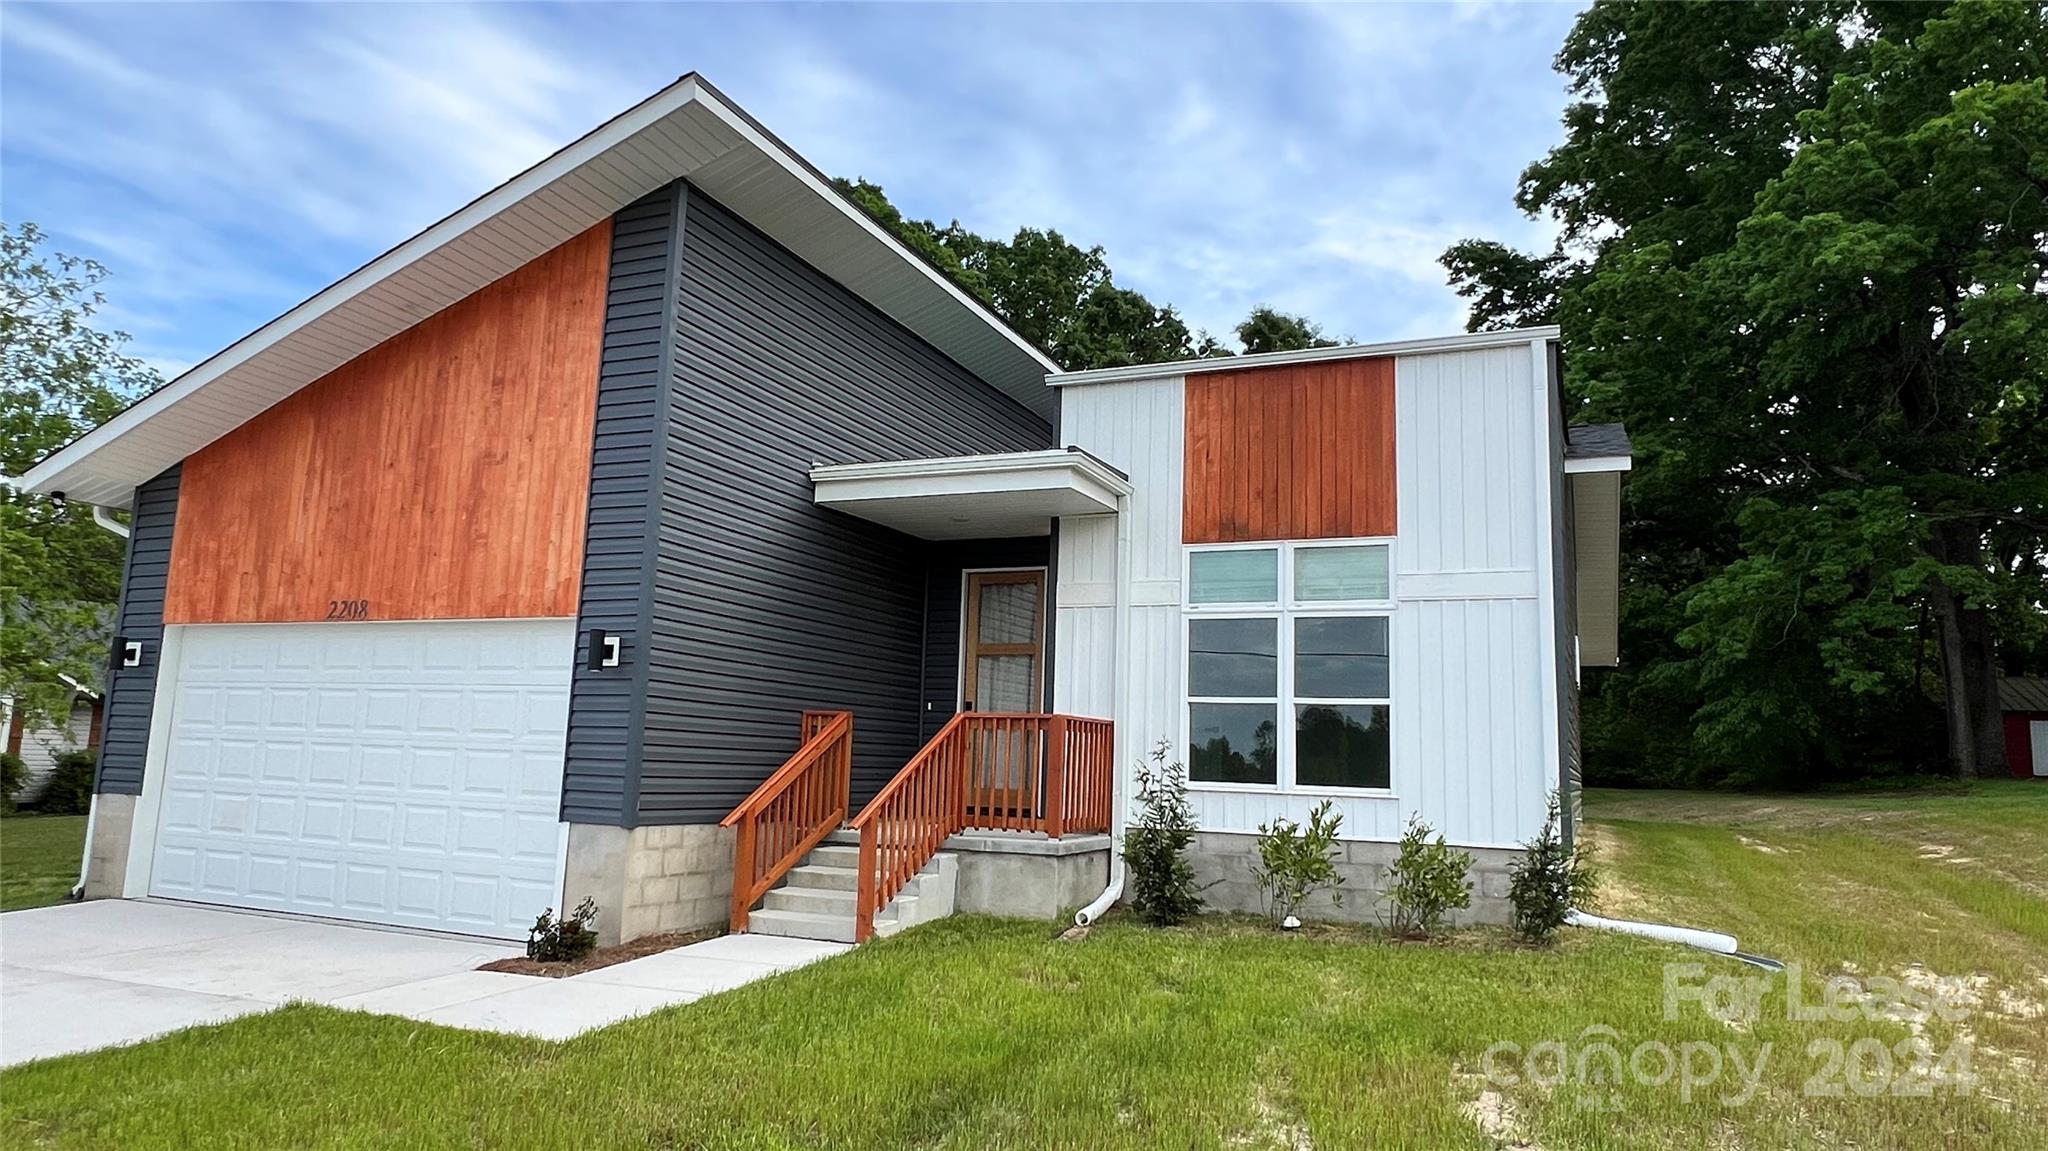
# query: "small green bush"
[1296,862]
[13,774]
[69,791]
[1155,848]
[1548,881]
[563,940]
[1427,882]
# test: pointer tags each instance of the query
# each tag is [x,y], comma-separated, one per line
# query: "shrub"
[13,774]
[563,940]
[1295,863]
[1427,882]
[1548,881]
[69,790]
[1155,848]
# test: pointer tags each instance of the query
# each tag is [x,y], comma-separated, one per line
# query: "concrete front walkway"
[85,976]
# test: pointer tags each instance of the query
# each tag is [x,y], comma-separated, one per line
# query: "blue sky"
[227,161]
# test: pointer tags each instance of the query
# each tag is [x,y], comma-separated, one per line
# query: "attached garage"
[397,773]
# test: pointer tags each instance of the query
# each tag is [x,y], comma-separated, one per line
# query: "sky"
[225,162]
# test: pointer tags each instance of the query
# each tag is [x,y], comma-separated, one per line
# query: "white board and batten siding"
[1474,727]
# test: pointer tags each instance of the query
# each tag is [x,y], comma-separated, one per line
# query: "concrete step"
[844,836]
[806,925]
[835,855]
[815,900]
[833,878]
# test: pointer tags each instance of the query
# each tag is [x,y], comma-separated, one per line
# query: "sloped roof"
[1595,441]
[688,129]
[2023,694]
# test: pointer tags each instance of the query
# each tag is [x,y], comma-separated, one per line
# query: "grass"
[976,1033]
[39,859]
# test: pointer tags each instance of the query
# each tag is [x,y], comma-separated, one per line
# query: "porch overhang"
[973,497]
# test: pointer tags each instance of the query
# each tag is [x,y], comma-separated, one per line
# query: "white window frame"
[1284,611]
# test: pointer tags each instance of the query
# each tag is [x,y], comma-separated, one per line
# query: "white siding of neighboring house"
[1474,724]
[40,747]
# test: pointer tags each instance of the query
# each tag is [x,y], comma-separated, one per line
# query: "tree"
[1801,256]
[60,573]
[1268,330]
[1065,299]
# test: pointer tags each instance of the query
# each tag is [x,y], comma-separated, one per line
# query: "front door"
[1004,671]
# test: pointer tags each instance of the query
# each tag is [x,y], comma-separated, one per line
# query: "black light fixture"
[127,652]
[604,649]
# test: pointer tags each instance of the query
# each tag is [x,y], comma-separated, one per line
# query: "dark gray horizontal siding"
[131,691]
[605,706]
[763,604]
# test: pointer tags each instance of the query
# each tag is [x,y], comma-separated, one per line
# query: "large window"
[1289,678]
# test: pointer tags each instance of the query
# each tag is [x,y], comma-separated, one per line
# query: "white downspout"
[92,811]
[1120,710]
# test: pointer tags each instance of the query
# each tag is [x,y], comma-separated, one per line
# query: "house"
[631,530]
[2025,704]
[38,746]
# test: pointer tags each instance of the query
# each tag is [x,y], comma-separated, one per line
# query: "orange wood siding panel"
[1290,453]
[444,474]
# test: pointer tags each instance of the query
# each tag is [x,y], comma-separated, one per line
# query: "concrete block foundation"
[1027,877]
[113,825]
[1223,860]
[650,879]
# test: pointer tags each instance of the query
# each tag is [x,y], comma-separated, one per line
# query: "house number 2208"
[348,609]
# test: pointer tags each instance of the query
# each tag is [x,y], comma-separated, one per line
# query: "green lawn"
[39,858]
[974,1033]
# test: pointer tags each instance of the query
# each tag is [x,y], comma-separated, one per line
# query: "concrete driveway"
[84,976]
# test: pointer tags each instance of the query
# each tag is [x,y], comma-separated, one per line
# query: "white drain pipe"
[1120,711]
[92,812]
[1691,937]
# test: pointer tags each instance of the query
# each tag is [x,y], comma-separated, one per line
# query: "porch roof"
[973,497]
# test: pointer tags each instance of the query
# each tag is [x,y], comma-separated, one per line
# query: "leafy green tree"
[1268,330]
[1802,256]
[1064,298]
[60,375]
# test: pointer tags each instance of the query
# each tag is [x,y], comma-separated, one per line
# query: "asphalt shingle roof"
[2017,694]
[1595,441]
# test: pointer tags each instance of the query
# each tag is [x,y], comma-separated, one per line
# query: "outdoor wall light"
[127,652]
[604,649]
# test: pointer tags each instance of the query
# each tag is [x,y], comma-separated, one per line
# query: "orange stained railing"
[1006,772]
[804,801]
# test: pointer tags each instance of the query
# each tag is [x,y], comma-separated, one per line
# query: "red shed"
[2025,703]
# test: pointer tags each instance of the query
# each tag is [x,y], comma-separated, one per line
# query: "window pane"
[1340,745]
[1234,657]
[1341,573]
[1341,658]
[1004,682]
[1231,743]
[1234,577]
[1009,612]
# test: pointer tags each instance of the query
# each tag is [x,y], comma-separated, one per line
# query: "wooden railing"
[803,802]
[1007,772]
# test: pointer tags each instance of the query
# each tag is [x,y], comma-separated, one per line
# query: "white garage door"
[400,773]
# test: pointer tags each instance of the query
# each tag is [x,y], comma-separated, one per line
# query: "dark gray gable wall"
[131,691]
[762,603]
[605,706]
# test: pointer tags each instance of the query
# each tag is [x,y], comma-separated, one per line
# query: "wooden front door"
[1004,671]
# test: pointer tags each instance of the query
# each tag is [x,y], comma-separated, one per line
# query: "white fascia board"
[1598,464]
[970,475]
[1472,341]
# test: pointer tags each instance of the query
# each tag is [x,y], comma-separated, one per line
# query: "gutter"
[1119,796]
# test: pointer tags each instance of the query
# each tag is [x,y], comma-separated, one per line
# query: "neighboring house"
[506,570]
[39,746]
[2025,704]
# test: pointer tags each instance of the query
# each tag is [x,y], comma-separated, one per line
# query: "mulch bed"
[603,956]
